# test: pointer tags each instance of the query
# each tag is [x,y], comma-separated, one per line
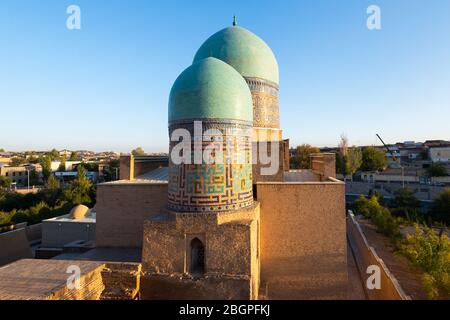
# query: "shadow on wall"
[14,245]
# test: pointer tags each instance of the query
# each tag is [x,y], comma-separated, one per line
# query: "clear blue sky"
[106,86]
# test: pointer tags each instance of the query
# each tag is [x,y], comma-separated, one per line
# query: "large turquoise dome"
[244,51]
[210,89]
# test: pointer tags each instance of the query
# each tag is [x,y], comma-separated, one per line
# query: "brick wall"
[121,211]
[303,240]
[14,246]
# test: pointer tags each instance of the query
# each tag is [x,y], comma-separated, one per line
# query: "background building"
[20,175]
[439,154]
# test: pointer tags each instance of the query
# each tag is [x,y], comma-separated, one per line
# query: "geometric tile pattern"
[219,185]
[210,187]
[266,113]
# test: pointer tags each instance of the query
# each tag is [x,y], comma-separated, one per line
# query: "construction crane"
[395,159]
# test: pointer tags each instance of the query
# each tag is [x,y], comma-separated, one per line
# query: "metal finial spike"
[234,21]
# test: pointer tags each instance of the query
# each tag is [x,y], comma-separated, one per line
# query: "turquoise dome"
[244,51]
[210,88]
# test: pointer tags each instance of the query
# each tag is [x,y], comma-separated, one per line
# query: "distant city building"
[65,153]
[437,143]
[67,176]
[69,165]
[439,154]
[19,174]
[408,175]
[5,158]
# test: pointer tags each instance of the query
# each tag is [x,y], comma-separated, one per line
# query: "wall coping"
[333,182]
[133,183]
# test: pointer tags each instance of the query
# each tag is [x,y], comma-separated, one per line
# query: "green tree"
[54,155]
[373,159]
[34,178]
[341,160]
[437,170]
[405,198]
[62,165]
[52,183]
[302,158]
[348,160]
[33,159]
[431,252]
[46,164]
[405,204]
[2,150]
[89,166]
[381,216]
[80,190]
[13,200]
[138,152]
[353,160]
[440,208]
[74,156]
[5,182]
[52,191]
[17,161]
[340,165]
[343,145]
[376,194]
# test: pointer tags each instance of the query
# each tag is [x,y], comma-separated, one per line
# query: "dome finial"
[234,21]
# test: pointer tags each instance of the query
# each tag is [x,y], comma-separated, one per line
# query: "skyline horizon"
[148,151]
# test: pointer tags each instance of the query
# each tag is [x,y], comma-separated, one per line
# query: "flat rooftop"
[132,255]
[160,175]
[90,218]
[34,279]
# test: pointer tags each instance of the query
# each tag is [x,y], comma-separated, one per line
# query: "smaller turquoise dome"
[210,89]
[243,50]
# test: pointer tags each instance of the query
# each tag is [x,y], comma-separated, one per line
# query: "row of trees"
[406,205]
[301,159]
[348,160]
[52,200]
[426,248]
[351,159]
